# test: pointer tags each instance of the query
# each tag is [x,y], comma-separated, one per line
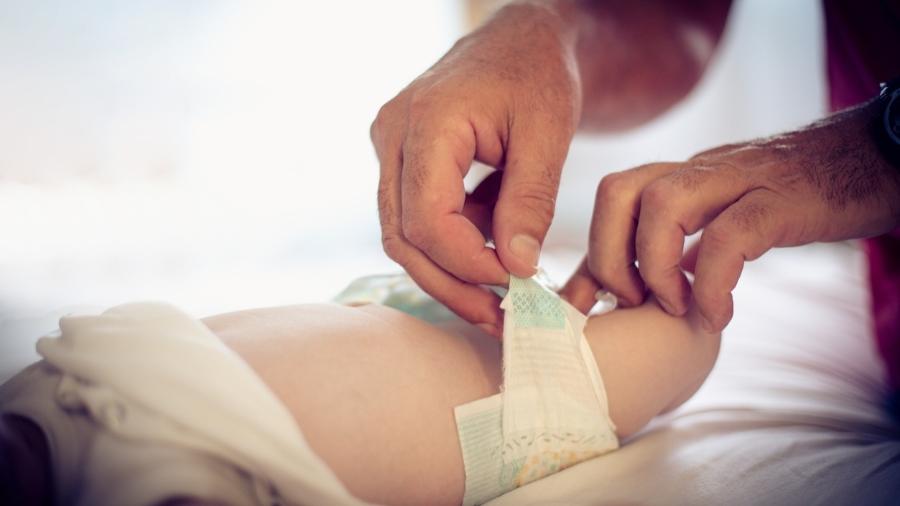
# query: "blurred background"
[215,154]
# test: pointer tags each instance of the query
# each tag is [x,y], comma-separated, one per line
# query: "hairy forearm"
[633,60]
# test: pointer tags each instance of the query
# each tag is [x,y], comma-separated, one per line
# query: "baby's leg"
[374,389]
[650,361]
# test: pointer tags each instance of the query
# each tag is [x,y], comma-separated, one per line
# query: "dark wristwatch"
[887,132]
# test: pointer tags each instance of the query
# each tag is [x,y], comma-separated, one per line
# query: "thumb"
[527,201]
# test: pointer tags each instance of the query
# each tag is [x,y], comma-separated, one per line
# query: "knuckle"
[419,105]
[608,275]
[661,284]
[716,236]
[708,300]
[656,278]
[613,187]
[375,128]
[709,306]
[658,195]
[416,232]
[537,200]
[430,127]
[714,305]
[687,179]
[464,276]
[748,218]
[603,272]
[381,122]
[393,246]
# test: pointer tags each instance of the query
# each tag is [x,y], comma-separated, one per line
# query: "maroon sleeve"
[863,37]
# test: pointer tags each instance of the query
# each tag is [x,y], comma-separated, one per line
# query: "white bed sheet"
[791,413]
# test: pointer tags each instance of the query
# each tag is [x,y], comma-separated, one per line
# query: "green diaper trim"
[535,306]
[399,292]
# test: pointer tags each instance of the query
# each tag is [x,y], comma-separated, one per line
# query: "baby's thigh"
[373,391]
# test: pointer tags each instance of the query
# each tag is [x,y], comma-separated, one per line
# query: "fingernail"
[489,328]
[525,248]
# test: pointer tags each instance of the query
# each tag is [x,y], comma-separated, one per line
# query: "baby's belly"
[372,389]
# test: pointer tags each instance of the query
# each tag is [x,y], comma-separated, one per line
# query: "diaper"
[143,403]
[397,291]
[552,411]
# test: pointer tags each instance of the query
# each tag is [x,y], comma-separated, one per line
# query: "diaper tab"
[529,306]
[552,412]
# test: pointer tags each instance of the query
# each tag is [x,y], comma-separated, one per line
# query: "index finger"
[672,208]
[470,302]
[611,249]
[581,288]
[436,157]
[741,233]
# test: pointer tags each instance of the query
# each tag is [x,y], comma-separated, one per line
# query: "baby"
[363,392]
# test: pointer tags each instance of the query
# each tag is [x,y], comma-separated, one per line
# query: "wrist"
[884,128]
[550,27]
[878,157]
[531,45]
[556,18]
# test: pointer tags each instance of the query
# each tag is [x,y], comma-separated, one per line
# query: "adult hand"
[506,95]
[826,182]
